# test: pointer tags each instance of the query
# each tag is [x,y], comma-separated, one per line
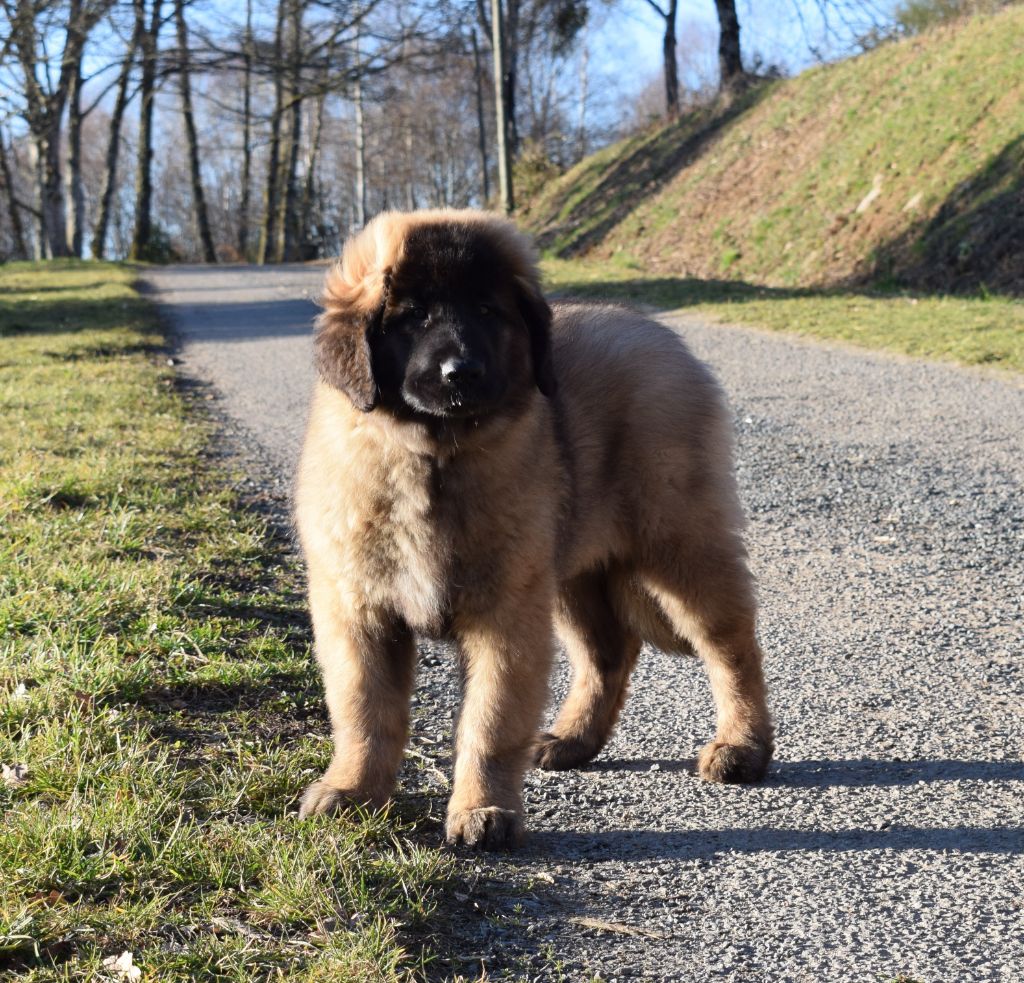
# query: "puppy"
[481,467]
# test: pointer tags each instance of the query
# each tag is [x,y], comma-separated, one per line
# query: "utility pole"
[501,108]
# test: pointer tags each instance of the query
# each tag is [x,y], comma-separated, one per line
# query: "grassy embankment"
[154,680]
[879,200]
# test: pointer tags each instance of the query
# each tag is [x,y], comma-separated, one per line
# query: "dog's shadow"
[697,844]
[844,773]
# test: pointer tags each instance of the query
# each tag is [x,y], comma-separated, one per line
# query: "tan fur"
[609,510]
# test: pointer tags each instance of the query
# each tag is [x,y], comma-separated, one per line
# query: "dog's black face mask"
[444,357]
[456,338]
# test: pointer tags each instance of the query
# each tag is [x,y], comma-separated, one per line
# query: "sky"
[783,32]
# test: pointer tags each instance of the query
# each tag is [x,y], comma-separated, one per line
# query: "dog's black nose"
[459,371]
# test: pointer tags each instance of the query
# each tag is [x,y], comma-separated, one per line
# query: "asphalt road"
[887,532]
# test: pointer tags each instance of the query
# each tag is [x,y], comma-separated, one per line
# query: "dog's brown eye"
[418,312]
[484,309]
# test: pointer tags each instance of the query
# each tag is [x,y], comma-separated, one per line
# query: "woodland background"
[266,130]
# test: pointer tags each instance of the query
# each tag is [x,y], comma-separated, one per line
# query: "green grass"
[155,679]
[980,330]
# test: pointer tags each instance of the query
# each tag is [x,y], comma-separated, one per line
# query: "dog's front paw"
[323,799]
[489,828]
[734,763]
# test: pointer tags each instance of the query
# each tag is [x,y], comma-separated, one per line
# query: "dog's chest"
[428,546]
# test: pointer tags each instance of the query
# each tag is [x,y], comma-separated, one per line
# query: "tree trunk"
[99,236]
[291,197]
[141,239]
[481,129]
[511,64]
[668,55]
[54,212]
[268,234]
[730,65]
[243,208]
[184,77]
[39,245]
[278,252]
[581,120]
[409,166]
[75,191]
[309,185]
[502,109]
[13,206]
[357,94]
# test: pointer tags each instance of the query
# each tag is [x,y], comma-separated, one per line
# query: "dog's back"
[646,431]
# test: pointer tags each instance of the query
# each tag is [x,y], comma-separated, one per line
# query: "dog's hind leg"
[603,652]
[709,599]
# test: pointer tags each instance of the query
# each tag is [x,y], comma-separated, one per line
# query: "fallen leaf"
[14,776]
[123,965]
[232,926]
[47,898]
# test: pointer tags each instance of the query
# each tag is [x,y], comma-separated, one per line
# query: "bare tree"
[360,202]
[185,83]
[309,185]
[668,54]
[75,191]
[149,47]
[290,232]
[247,62]
[478,78]
[13,205]
[730,64]
[268,232]
[503,111]
[31,27]
[581,120]
[99,236]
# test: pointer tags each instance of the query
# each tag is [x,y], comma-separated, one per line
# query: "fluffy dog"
[483,467]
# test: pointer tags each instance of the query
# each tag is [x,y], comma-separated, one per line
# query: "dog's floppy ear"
[535,312]
[341,346]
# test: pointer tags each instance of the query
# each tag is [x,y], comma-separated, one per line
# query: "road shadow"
[243,321]
[843,773]
[697,844]
[869,772]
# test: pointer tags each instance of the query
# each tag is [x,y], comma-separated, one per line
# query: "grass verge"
[154,679]
[980,330]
